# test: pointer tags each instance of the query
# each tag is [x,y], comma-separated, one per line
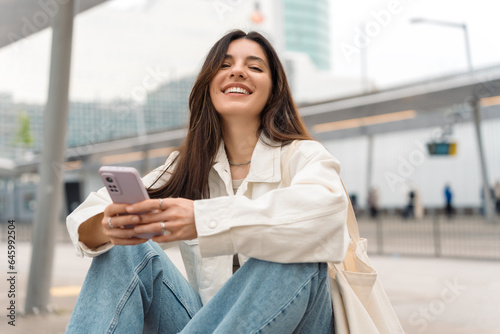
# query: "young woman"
[222,193]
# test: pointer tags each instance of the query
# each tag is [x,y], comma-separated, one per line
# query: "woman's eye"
[224,65]
[255,68]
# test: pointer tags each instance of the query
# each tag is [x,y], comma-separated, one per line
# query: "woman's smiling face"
[243,84]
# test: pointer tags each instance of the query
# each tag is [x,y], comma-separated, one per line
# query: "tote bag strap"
[352,224]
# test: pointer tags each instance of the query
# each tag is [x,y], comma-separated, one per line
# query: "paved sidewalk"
[431,296]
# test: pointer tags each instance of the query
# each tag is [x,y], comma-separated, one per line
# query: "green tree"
[24,137]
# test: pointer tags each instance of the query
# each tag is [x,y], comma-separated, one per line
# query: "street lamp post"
[462,26]
[490,214]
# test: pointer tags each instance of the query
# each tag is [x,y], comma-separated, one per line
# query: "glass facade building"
[307,29]
[96,122]
[167,107]
[10,112]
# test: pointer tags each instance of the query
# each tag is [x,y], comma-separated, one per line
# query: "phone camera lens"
[110,180]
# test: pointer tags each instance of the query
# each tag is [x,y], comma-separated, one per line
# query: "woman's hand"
[175,215]
[113,225]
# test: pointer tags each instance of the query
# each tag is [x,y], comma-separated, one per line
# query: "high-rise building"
[10,116]
[167,106]
[95,122]
[307,30]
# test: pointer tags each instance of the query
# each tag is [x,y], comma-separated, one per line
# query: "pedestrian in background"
[354,202]
[496,190]
[483,201]
[410,207]
[448,197]
[419,208]
[373,201]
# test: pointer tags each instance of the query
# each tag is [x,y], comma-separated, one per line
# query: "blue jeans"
[137,289]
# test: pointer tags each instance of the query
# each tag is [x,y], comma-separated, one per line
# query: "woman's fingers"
[177,232]
[121,235]
[120,221]
[160,228]
[115,209]
[118,225]
[148,205]
[170,218]
[176,217]
[169,230]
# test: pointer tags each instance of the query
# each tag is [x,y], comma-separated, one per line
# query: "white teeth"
[236,90]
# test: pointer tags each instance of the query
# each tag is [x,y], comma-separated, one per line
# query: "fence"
[466,237]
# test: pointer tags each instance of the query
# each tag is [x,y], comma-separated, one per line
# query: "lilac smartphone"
[124,185]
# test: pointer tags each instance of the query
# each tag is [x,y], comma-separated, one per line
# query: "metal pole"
[369,168]
[437,235]
[453,25]
[145,161]
[490,214]
[467,47]
[49,194]
[364,68]
[279,40]
[380,236]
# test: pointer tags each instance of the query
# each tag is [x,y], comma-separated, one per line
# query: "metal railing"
[465,237]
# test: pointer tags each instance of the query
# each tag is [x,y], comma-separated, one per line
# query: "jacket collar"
[266,161]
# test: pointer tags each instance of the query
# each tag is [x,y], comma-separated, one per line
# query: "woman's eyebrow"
[260,60]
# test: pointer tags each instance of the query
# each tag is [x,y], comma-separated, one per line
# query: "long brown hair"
[280,121]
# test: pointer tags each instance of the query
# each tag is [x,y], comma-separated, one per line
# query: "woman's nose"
[237,71]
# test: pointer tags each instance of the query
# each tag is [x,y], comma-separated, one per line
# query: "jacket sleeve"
[94,205]
[302,222]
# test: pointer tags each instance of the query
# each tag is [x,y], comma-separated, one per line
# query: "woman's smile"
[243,84]
[237,89]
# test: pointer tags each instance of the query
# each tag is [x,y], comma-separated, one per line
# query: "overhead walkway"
[426,104]
[22,18]
[419,105]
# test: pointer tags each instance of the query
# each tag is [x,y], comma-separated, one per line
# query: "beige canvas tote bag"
[360,304]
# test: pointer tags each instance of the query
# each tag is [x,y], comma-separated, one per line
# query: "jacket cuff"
[73,222]
[93,252]
[213,226]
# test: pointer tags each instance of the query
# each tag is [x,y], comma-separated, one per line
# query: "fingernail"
[130,209]
[135,219]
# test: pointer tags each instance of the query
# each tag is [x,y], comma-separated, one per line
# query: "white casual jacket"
[266,219]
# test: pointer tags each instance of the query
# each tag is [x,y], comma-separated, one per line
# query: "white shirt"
[266,219]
